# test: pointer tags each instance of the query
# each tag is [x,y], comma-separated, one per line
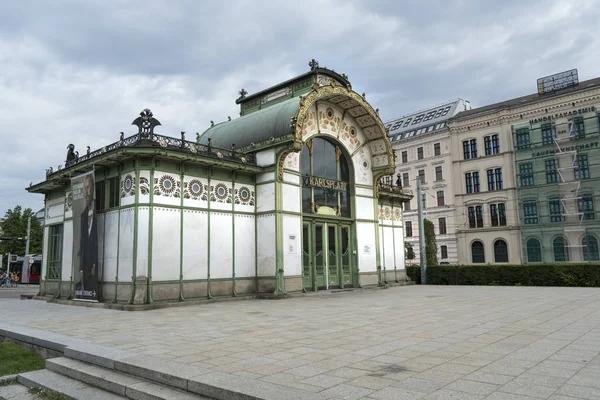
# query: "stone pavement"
[415,342]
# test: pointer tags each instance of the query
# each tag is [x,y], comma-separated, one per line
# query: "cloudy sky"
[80,71]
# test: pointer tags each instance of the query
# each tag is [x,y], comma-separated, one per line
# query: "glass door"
[333,276]
[307,265]
[320,256]
[345,255]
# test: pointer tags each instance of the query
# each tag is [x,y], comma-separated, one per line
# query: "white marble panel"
[291,162]
[221,195]
[68,205]
[265,197]
[167,188]
[126,241]
[291,198]
[245,259]
[291,178]
[220,245]
[265,177]
[55,211]
[128,196]
[143,187]
[364,191]
[195,192]
[365,208]
[399,245]
[67,254]
[166,233]
[330,118]
[292,245]
[195,244]
[362,166]
[266,244]
[387,255]
[351,135]
[367,250]
[244,197]
[111,243]
[265,157]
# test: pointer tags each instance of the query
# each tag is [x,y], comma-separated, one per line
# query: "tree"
[14,226]
[430,243]
[409,253]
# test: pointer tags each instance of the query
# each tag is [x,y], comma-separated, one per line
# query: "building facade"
[284,198]
[524,176]
[422,144]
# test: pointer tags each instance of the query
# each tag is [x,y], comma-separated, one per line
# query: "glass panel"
[344,169]
[534,251]
[305,161]
[345,250]
[560,250]
[500,251]
[305,251]
[319,256]
[477,252]
[345,204]
[307,200]
[332,255]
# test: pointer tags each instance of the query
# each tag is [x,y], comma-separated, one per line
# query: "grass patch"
[15,359]
[47,395]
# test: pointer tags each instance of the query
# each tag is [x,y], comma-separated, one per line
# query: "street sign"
[31,261]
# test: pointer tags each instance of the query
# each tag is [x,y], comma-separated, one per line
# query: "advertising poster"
[85,238]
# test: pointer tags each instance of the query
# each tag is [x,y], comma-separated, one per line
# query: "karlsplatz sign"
[571,113]
[583,146]
[322,183]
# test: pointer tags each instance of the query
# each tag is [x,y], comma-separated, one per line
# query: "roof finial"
[228,118]
[243,93]
[313,64]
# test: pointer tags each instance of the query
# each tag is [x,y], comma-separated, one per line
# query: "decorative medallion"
[195,190]
[128,186]
[144,186]
[219,154]
[162,142]
[193,148]
[387,213]
[221,193]
[244,196]
[397,214]
[349,136]
[68,201]
[167,186]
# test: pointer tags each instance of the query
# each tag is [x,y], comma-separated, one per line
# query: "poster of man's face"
[85,238]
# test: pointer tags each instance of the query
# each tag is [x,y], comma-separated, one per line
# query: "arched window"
[590,248]
[561,251]
[477,252]
[326,179]
[500,251]
[534,251]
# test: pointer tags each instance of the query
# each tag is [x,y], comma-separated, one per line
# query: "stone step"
[116,382]
[54,382]
[15,391]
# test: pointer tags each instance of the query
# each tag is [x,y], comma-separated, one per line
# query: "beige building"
[422,144]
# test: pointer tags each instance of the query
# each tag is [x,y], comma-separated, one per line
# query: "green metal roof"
[260,126]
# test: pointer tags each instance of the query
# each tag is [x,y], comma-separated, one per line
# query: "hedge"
[585,275]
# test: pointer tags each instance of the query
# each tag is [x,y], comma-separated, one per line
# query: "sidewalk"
[430,342]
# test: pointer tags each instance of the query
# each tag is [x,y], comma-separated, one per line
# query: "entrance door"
[326,255]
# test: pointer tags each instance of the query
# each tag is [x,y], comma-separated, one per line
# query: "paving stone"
[528,389]
[445,394]
[346,392]
[393,393]
[324,381]
[419,385]
[463,385]
[580,392]
[486,377]
[371,382]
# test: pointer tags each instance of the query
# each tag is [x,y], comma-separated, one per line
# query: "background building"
[421,142]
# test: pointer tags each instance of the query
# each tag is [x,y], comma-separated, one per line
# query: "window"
[526,174]
[407,206]
[473,148]
[444,252]
[586,207]
[590,248]
[469,182]
[405,180]
[440,198]
[419,153]
[498,214]
[438,174]
[475,217]
[323,159]
[530,212]
[576,128]
[500,251]
[404,157]
[556,211]
[55,251]
[475,182]
[437,149]
[494,179]
[582,168]
[422,175]
[560,249]
[547,134]
[466,150]
[113,192]
[100,193]
[477,252]
[534,251]
[522,138]
[442,225]
[551,172]
[492,145]
[409,231]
